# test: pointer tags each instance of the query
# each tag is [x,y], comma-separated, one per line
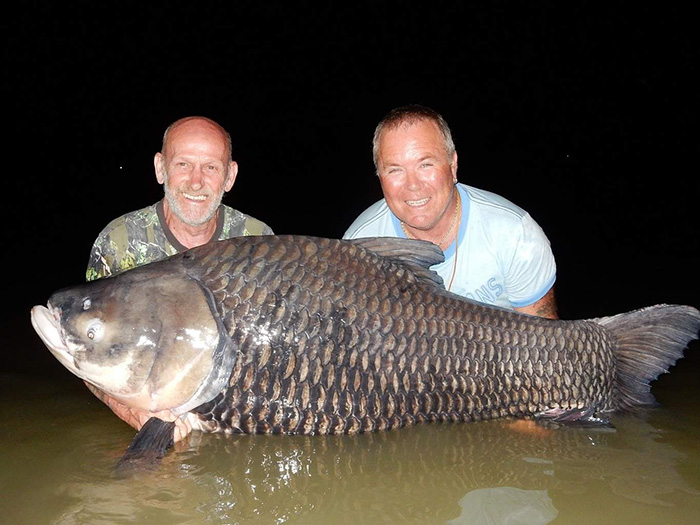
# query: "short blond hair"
[409,115]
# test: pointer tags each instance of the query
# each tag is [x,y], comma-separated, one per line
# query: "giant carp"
[305,335]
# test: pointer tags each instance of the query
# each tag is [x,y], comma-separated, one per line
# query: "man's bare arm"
[545,307]
[137,418]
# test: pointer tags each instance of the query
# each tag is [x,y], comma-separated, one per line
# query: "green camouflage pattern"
[138,238]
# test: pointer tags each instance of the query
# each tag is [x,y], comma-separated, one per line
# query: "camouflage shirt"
[142,237]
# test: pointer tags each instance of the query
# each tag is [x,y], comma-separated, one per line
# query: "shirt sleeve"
[260,229]
[110,254]
[532,268]
[100,262]
[375,221]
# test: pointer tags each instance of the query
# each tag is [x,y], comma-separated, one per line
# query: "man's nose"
[197,178]
[412,179]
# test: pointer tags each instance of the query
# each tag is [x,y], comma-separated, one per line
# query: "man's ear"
[231,177]
[453,167]
[158,166]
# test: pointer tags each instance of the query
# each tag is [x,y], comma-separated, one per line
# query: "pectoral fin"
[147,447]
[585,417]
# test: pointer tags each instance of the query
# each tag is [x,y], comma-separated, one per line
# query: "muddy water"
[58,446]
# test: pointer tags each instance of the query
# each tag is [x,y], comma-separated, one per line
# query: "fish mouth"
[47,324]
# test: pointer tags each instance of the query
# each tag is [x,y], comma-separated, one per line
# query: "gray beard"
[171,197]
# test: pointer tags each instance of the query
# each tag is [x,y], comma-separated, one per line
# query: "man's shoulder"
[130,240]
[142,218]
[501,222]
[237,223]
[373,221]
[493,204]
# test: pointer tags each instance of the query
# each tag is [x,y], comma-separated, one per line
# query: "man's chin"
[194,214]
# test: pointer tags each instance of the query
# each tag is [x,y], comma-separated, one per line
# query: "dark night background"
[583,113]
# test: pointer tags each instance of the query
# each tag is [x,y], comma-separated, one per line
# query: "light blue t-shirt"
[503,258]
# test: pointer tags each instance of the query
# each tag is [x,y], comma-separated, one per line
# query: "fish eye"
[87,303]
[95,331]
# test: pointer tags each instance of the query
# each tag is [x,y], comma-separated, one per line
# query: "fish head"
[148,339]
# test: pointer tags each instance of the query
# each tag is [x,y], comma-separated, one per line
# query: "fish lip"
[46,321]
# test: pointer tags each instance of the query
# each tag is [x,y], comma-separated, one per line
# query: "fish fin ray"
[585,416]
[649,341]
[148,446]
[414,253]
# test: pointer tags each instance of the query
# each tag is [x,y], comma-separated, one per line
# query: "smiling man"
[495,252]
[196,169]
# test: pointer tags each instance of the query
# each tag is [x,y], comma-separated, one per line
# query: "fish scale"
[302,335]
[427,356]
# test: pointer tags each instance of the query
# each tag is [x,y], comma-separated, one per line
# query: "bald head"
[198,126]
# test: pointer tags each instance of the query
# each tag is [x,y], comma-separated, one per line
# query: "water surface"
[59,446]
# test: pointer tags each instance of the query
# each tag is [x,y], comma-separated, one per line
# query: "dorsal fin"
[418,255]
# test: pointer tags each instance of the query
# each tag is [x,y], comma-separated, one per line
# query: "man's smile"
[420,202]
[191,197]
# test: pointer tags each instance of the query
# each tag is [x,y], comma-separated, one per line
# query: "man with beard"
[196,168]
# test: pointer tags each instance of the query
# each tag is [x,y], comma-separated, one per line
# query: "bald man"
[196,169]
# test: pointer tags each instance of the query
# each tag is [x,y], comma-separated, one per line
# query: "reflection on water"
[506,505]
[59,446]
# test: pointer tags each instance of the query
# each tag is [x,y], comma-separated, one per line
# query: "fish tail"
[649,342]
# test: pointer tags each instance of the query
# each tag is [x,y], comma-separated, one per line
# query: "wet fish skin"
[334,338]
[324,336]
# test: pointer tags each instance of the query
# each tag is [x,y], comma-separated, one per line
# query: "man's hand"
[137,418]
